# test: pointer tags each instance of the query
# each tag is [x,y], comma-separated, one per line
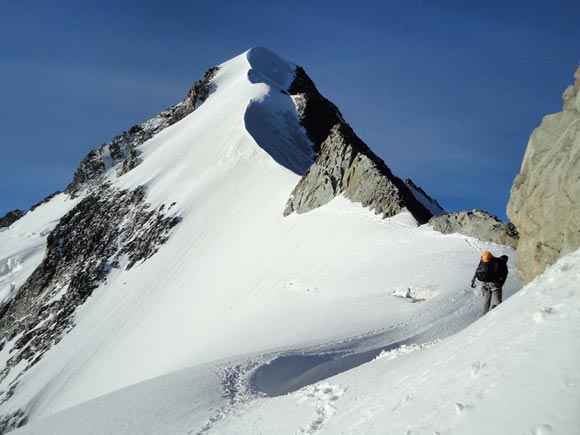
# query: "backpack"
[488,272]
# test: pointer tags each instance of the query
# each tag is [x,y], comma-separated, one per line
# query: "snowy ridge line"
[122,154]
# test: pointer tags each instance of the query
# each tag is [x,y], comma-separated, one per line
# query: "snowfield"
[513,371]
[334,321]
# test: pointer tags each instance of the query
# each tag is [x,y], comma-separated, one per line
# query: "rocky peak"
[344,164]
[545,196]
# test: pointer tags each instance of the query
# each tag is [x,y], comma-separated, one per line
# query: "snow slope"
[512,371]
[237,281]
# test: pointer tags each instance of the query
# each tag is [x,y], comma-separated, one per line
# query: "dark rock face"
[344,164]
[88,242]
[122,150]
[479,224]
[13,421]
[11,217]
[318,114]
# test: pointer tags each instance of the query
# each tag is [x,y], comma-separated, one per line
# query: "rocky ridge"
[344,163]
[107,229]
[479,224]
[545,196]
[123,151]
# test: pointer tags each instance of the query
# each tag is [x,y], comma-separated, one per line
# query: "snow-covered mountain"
[243,244]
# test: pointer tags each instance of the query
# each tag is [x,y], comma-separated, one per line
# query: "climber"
[492,272]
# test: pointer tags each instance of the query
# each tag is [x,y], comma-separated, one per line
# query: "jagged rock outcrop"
[545,196]
[479,224]
[122,150]
[344,163]
[11,217]
[105,227]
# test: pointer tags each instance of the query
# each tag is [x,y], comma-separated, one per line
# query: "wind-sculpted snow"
[289,371]
[268,67]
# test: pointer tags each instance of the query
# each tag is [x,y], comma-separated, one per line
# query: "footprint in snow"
[476,368]
[323,397]
[539,316]
[544,429]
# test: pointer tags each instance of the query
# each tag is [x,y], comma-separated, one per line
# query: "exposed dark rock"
[13,421]
[107,226]
[479,224]
[123,149]
[318,114]
[344,163]
[11,217]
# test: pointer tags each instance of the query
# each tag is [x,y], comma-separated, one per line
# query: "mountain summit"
[247,217]
[289,119]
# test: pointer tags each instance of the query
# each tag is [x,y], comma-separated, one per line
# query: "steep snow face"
[513,371]
[235,276]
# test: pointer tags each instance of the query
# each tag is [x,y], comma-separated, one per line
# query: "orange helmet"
[486,256]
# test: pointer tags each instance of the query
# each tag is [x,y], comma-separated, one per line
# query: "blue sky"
[447,93]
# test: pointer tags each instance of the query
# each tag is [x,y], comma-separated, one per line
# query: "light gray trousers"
[491,290]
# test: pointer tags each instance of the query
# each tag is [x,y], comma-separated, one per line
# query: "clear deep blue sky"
[447,93]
